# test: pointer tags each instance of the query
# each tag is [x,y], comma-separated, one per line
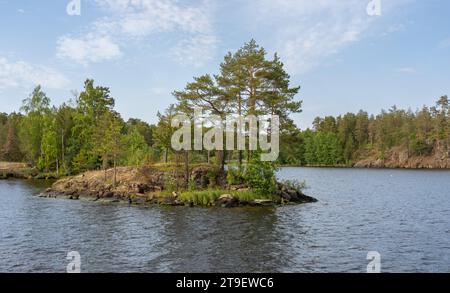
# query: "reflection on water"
[401,214]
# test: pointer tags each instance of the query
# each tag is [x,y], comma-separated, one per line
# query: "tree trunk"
[105,168]
[115,172]
[186,166]
[63,159]
[240,152]
[165,155]
[240,155]
[220,160]
[224,160]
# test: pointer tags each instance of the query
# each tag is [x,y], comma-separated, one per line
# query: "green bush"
[201,197]
[209,197]
[212,178]
[295,184]
[234,177]
[421,147]
[191,185]
[260,176]
[170,183]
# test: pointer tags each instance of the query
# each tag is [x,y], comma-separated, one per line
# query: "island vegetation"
[107,157]
[125,160]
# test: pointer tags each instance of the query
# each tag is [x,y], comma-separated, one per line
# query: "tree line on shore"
[87,133]
[346,139]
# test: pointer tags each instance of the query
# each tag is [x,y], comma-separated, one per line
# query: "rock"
[263,202]
[138,200]
[171,201]
[199,176]
[87,198]
[227,201]
[286,195]
[295,196]
[108,194]
[238,187]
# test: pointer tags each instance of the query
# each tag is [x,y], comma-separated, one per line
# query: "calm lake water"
[404,215]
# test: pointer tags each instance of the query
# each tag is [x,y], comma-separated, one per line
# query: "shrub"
[295,184]
[170,183]
[191,185]
[421,147]
[234,177]
[260,176]
[212,178]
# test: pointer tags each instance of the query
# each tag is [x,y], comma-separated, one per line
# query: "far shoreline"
[362,168]
[24,171]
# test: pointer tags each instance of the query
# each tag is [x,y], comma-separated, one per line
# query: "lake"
[404,215]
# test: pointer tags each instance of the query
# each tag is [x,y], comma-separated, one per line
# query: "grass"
[208,197]
[49,175]
[173,167]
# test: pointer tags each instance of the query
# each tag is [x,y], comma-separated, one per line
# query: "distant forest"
[87,133]
[74,138]
[346,139]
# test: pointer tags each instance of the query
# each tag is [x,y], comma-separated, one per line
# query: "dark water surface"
[404,215]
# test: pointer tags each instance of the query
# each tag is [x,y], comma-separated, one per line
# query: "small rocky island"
[152,185]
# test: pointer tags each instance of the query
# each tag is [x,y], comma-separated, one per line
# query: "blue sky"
[343,59]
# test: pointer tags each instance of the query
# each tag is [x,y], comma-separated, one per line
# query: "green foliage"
[35,108]
[89,134]
[164,131]
[260,176]
[295,184]
[137,151]
[170,183]
[9,138]
[322,149]
[421,147]
[208,197]
[191,185]
[49,147]
[212,178]
[234,176]
[345,139]
[292,148]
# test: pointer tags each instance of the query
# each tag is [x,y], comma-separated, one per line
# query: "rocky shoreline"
[17,171]
[400,158]
[147,186]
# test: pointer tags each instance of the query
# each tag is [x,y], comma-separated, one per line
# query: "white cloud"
[15,74]
[195,51]
[406,70]
[310,31]
[143,17]
[394,29]
[136,20]
[307,32]
[89,49]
